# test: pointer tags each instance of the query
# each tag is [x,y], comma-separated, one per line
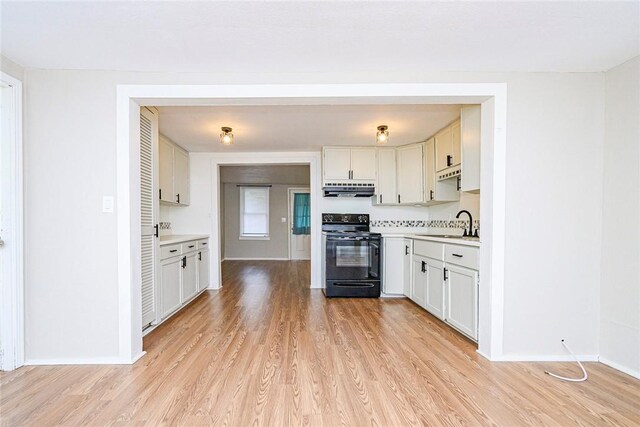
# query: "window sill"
[254,238]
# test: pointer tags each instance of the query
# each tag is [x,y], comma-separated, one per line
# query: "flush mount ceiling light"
[226,137]
[383,134]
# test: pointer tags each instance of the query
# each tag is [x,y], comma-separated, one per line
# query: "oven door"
[352,258]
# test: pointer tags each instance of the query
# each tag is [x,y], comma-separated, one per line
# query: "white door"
[299,224]
[462,300]
[11,289]
[406,273]
[181,176]
[203,270]
[386,184]
[170,273]
[430,170]
[148,215]
[165,172]
[393,267]
[336,164]
[435,288]
[410,178]
[363,164]
[444,149]
[456,143]
[419,282]
[189,276]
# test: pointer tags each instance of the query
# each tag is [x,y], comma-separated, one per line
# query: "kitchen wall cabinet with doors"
[447,146]
[184,272]
[410,174]
[437,191]
[445,282]
[344,165]
[173,173]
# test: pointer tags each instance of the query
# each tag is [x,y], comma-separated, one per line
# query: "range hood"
[353,190]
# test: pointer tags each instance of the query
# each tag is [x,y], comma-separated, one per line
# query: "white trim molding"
[12,281]
[492,97]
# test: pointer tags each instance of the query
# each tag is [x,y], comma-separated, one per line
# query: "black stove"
[352,256]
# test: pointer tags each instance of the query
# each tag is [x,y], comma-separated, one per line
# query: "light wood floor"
[265,350]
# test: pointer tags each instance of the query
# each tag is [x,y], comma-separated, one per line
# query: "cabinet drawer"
[428,249]
[168,251]
[465,256]
[189,246]
[203,244]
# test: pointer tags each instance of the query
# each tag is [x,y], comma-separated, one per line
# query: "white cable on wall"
[575,380]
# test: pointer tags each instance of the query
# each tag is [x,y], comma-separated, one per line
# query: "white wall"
[554,205]
[11,68]
[620,287]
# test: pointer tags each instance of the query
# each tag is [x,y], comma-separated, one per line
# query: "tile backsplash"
[165,225]
[435,223]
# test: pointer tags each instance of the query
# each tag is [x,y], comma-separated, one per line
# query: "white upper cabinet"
[437,191]
[336,164]
[447,143]
[174,173]
[341,165]
[386,184]
[470,137]
[181,176]
[410,174]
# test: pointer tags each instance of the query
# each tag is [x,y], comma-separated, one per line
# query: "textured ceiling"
[321,37]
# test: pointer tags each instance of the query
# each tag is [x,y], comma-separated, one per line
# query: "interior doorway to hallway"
[299,224]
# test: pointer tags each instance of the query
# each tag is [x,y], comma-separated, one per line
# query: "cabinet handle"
[173,250]
[457,255]
[155,228]
[381,198]
[178,196]
[192,246]
[203,244]
[424,267]
[458,185]
[398,198]
[449,160]
[199,256]
[184,262]
[445,275]
[160,193]
[406,249]
[431,194]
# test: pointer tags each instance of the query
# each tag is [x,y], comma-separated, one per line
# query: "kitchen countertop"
[451,240]
[179,238]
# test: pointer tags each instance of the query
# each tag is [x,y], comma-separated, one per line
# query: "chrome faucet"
[470,223]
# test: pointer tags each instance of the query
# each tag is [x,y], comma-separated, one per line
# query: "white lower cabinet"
[170,274]
[406,267]
[393,267]
[203,270]
[184,272]
[419,281]
[189,276]
[462,299]
[434,302]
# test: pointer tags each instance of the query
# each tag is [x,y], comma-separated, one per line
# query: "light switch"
[107,204]
[284,219]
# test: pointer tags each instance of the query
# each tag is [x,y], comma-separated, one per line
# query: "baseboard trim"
[257,259]
[544,358]
[619,367]
[391,296]
[83,361]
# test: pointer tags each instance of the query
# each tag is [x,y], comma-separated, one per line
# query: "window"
[254,213]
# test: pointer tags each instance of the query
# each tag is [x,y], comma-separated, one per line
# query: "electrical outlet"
[107,204]
[284,220]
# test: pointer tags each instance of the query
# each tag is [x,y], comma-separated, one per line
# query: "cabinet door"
[435,288]
[203,270]
[386,186]
[393,267]
[363,164]
[456,143]
[410,178]
[470,139]
[419,282]
[166,171]
[430,170]
[462,300]
[181,176]
[406,267]
[189,276]
[444,149]
[170,285]
[336,164]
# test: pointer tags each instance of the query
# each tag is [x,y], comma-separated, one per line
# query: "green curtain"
[301,213]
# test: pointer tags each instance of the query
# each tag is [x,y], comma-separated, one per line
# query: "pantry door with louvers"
[148,215]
